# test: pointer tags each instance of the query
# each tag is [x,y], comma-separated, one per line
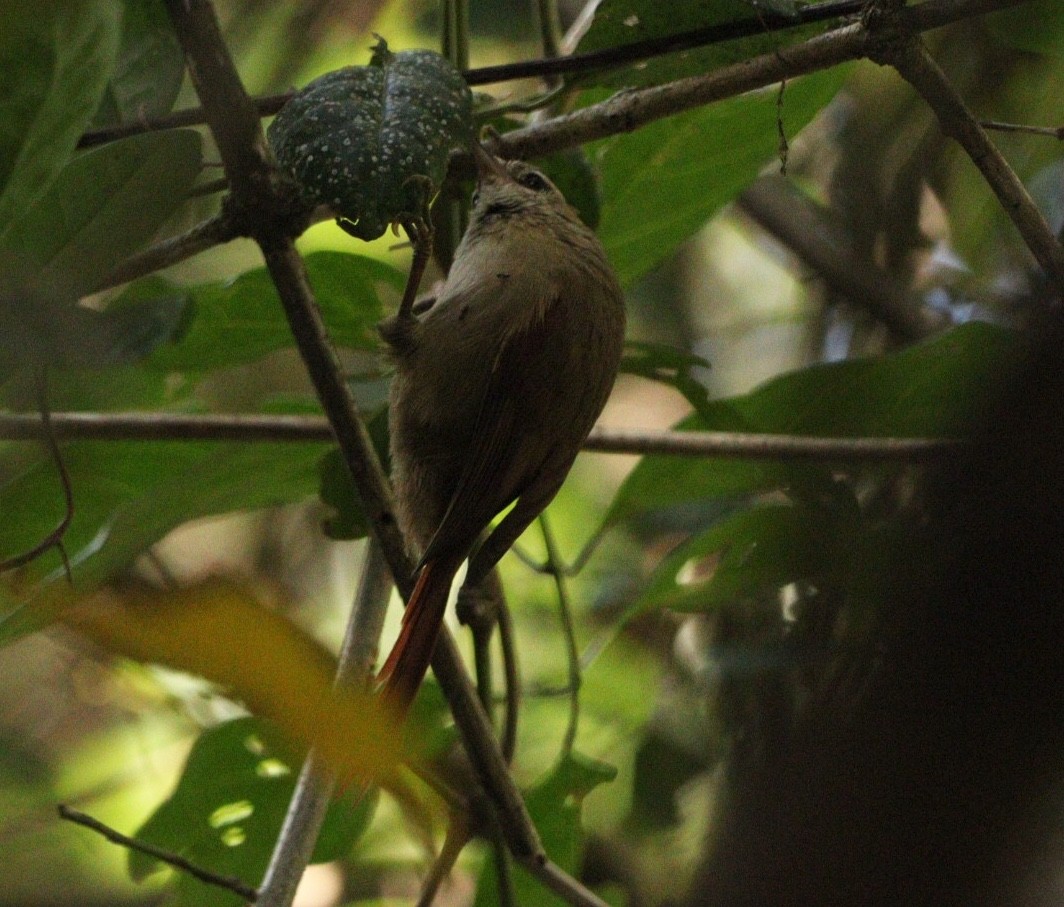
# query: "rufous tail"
[409,659]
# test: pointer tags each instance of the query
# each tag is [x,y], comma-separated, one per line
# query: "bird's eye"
[474,198]
[534,181]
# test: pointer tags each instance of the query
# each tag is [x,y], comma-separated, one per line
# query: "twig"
[912,61]
[511,677]
[564,885]
[800,224]
[315,785]
[456,839]
[214,231]
[627,111]
[171,859]
[624,112]
[53,539]
[1054,132]
[555,66]
[928,15]
[164,426]
[194,116]
[248,166]
[565,613]
[504,883]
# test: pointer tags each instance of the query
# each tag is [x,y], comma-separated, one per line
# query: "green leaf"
[555,804]
[129,494]
[241,320]
[667,365]
[1037,27]
[620,22]
[66,336]
[931,389]
[55,59]
[751,552]
[661,183]
[149,69]
[228,807]
[571,172]
[103,206]
[372,142]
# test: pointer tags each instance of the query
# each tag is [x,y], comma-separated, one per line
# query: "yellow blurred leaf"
[219,631]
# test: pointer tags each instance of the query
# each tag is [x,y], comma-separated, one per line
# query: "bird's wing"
[510,439]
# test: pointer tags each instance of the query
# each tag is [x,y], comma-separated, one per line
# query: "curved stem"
[512,680]
[53,539]
[565,613]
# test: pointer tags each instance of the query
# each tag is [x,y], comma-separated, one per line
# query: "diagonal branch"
[912,61]
[315,785]
[627,111]
[930,14]
[171,859]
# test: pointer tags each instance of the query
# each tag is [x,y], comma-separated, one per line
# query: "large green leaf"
[750,552]
[620,22]
[228,807]
[38,328]
[661,183]
[128,494]
[372,142]
[149,69]
[555,804]
[104,205]
[55,59]
[1035,26]
[242,320]
[932,389]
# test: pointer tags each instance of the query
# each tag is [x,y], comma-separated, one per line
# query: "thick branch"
[798,222]
[912,61]
[137,426]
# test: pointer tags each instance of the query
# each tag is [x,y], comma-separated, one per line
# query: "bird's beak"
[489,167]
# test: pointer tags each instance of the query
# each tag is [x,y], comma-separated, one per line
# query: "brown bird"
[497,385]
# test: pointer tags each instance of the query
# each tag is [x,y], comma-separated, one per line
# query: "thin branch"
[627,111]
[623,112]
[214,231]
[171,859]
[565,613]
[194,116]
[315,785]
[925,16]
[456,839]
[912,61]
[1054,132]
[511,678]
[771,447]
[800,224]
[607,58]
[248,164]
[53,539]
[563,884]
[163,426]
